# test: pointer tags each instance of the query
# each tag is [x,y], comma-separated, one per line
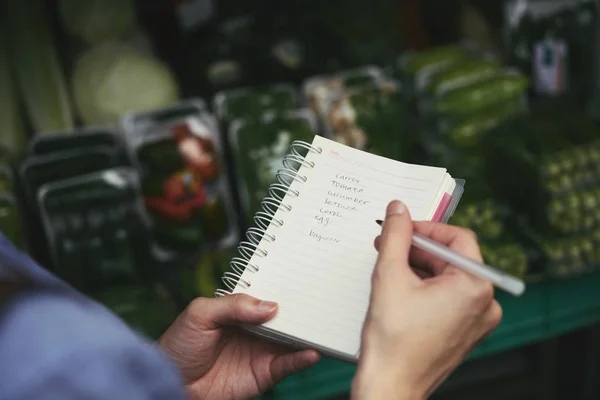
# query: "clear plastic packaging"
[318,90]
[269,156]
[281,97]
[194,167]
[96,228]
[79,139]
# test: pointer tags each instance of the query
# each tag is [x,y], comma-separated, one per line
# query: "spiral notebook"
[311,249]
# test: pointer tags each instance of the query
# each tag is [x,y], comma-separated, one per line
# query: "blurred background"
[137,139]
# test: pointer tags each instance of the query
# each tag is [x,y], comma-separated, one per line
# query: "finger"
[493,316]
[288,364]
[461,240]
[377,242]
[396,239]
[230,310]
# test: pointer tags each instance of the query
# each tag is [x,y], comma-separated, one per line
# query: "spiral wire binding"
[266,217]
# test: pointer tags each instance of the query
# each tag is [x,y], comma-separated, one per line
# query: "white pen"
[498,278]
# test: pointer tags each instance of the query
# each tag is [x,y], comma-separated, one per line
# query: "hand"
[218,360]
[417,330]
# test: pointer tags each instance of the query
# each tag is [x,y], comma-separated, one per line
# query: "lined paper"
[319,267]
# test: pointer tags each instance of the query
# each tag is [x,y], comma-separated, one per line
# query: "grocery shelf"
[546,309]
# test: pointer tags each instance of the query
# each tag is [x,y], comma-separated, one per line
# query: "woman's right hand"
[418,330]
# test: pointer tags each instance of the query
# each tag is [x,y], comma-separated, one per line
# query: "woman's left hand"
[220,361]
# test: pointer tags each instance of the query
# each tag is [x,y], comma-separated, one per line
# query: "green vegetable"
[114,79]
[11,224]
[418,61]
[96,21]
[260,149]
[36,64]
[12,130]
[509,258]
[463,72]
[468,133]
[253,103]
[481,95]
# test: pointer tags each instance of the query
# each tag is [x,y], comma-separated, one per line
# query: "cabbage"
[95,21]
[115,78]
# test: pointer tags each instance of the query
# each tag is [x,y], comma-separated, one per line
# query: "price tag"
[549,66]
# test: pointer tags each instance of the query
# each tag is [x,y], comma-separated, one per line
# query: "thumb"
[396,238]
[230,310]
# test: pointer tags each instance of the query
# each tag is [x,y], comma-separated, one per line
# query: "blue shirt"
[57,344]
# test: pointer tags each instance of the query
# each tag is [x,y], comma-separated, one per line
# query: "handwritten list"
[318,268]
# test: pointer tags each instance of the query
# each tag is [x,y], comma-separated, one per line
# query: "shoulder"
[50,338]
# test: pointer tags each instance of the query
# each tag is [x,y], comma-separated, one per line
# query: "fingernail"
[396,207]
[266,306]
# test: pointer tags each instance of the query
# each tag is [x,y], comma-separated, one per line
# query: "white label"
[193,13]
[549,66]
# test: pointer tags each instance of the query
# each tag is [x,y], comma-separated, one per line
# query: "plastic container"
[259,148]
[90,137]
[372,118]
[179,154]
[318,90]
[254,101]
[96,229]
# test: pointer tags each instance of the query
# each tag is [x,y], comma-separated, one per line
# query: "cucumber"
[463,73]
[416,62]
[481,95]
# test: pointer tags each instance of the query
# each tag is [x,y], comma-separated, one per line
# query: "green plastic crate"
[545,310]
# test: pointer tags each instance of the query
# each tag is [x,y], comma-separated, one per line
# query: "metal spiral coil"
[292,164]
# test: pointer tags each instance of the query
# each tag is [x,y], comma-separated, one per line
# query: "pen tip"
[379,222]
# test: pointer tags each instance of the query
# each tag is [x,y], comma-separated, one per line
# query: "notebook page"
[319,267]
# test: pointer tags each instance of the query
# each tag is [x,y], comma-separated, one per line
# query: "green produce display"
[14,136]
[467,133]
[147,309]
[36,65]
[96,232]
[481,95]
[571,255]
[11,223]
[509,258]
[414,63]
[37,171]
[485,218]
[252,103]
[111,79]
[534,158]
[320,90]
[7,185]
[461,73]
[74,140]
[182,185]
[259,149]
[211,267]
[372,119]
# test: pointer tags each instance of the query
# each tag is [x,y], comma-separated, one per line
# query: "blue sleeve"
[55,346]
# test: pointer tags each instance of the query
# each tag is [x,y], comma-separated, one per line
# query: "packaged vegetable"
[253,102]
[259,147]
[184,180]
[96,229]
[371,118]
[319,90]
[481,95]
